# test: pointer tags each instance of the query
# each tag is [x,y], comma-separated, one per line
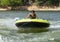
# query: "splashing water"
[54,24]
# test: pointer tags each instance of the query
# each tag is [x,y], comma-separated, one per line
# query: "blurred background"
[26,4]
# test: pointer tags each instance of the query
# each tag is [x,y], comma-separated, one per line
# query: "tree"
[55,2]
[15,2]
[4,2]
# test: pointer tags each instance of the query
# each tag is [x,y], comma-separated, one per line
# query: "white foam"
[54,24]
[17,18]
[8,23]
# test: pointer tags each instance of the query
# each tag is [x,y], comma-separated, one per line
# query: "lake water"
[9,32]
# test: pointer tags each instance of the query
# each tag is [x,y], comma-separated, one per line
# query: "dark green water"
[10,33]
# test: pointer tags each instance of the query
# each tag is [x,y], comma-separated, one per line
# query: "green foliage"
[15,2]
[48,2]
[24,2]
[4,2]
[10,2]
[38,2]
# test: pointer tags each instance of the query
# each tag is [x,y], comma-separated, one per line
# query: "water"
[10,33]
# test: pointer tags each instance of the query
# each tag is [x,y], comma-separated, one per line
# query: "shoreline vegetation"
[37,5]
[33,7]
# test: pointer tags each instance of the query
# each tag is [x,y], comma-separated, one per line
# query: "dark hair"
[32,11]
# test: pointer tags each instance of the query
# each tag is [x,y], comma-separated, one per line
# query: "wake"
[54,24]
[7,24]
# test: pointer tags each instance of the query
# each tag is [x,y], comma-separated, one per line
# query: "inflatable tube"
[41,23]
